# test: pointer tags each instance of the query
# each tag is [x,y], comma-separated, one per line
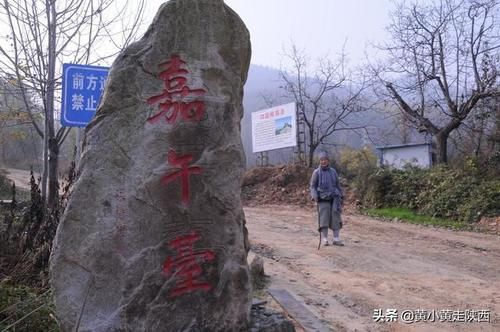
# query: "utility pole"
[263,159]
[300,150]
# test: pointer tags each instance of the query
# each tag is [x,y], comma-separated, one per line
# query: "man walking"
[326,191]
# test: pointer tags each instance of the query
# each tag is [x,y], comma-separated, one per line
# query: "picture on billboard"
[283,125]
[274,128]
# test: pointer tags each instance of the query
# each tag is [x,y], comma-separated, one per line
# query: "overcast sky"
[320,27]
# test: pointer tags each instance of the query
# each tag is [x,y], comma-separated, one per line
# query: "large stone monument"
[153,238]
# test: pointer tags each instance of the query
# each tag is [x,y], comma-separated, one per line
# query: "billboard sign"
[274,128]
[82,87]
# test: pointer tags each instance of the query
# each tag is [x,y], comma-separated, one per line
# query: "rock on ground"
[153,237]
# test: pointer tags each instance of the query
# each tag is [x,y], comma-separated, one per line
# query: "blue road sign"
[82,87]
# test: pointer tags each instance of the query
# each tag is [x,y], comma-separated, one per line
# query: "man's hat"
[323,155]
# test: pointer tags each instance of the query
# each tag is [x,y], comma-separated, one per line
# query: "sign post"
[82,87]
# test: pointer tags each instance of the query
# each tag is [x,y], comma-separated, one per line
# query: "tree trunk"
[495,135]
[310,157]
[45,165]
[479,141]
[53,196]
[53,149]
[312,148]
[441,147]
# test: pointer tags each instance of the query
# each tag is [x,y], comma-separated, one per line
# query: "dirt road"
[424,273]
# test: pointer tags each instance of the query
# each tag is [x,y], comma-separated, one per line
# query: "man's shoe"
[325,242]
[338,243]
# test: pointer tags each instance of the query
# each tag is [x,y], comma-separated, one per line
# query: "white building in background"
[397,156]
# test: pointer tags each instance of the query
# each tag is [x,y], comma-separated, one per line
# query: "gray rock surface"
[257,268]
[153,238]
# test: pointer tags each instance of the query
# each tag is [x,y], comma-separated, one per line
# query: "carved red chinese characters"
[185,265]
[172,101]
[184,172]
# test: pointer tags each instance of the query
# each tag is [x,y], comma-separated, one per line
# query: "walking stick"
[319,230]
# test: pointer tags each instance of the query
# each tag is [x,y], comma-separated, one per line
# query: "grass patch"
[24,309]
[411,217]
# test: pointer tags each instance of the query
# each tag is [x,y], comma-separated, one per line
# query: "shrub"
[459,194]
[356,167]
[22,309]
[374,191]
[407,184]
[356,164]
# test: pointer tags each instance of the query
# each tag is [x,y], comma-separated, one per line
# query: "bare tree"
[17,142]
[437,70]
[326,100]
[472,136]
[45,33]
[494,137]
